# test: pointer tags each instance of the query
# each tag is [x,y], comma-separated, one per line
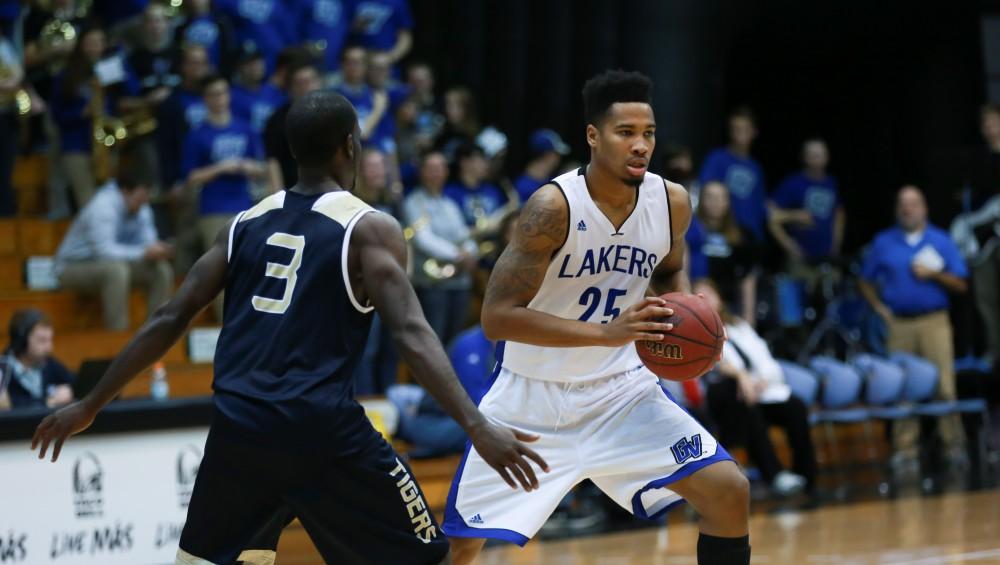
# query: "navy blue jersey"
[293,331]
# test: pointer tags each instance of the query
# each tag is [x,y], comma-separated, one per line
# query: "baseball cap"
[545,140]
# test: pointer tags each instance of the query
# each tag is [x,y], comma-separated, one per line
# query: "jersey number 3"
[289,273]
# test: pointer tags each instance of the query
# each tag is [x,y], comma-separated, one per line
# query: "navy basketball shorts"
[364,508]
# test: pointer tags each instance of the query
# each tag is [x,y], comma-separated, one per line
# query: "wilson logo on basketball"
[665,350]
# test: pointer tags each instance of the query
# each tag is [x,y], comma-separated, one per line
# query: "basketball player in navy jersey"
[567,300]
[302,270]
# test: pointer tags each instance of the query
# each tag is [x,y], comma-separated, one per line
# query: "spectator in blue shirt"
[547,152]
[268,25]
[211,30]
[29,375]
[112,246]
[720,249]
[477,198]
[283,170]
[324,24]
[384,25]
[733,166]
[371,105]
[254,100]
[906,277]
[181,112]
[221,158]
[72,111]
[807,217]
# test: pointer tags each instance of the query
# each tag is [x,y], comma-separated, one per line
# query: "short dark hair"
[294,69]
[318,125]
[349,47]
[603,90]
[22,323]
[468,149]
[209,80]
[743,112]
[291,56]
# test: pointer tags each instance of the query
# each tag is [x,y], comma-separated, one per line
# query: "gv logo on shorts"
[686,449]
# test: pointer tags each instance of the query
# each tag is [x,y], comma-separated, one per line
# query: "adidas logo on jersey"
[477,519]
[581,226]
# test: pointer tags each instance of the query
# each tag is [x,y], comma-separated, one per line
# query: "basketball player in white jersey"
[566,301]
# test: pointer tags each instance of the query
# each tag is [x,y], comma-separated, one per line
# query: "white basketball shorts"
[623,432]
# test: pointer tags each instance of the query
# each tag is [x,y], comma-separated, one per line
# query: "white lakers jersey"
[596,275]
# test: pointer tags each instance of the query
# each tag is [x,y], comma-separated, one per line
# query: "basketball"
[692,347]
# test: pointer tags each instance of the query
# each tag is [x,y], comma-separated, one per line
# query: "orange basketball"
[692,347]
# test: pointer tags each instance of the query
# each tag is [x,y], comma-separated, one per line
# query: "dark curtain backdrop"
[893,86]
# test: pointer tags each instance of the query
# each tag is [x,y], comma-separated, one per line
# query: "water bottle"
[159,389]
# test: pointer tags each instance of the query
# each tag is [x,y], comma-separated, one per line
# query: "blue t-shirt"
[325,23]
[745,179]
[76,131]
[889,265]
[526,185]
[377,23]
[267,24]
[363,99]
[256,106]
[384,137]
[208,145]
[476,202]
[204,30]
[820,197]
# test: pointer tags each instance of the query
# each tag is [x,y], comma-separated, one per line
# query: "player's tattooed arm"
[168,323]
[542,230]
[670,275]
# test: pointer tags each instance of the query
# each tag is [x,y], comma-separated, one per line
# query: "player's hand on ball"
[502,449]
[639,322]
[59,425]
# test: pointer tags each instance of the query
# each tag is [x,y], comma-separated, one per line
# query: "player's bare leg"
[721,495]
[465,550]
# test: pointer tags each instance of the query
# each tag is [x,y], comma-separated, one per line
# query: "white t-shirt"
[763,366]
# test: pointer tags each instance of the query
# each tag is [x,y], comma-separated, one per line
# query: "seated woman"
[747,394]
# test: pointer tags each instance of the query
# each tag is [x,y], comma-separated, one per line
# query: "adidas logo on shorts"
[477,519]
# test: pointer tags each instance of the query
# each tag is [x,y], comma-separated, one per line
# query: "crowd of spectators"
[160,126]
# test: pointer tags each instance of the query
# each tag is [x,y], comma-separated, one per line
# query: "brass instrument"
[19,99]
[107,131]
[433,268]
[56,32]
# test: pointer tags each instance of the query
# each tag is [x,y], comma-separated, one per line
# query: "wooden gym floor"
[952,528]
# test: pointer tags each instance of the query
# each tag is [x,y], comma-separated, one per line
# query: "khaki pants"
[208,229]
[928,336]
[113,280]
[80,174]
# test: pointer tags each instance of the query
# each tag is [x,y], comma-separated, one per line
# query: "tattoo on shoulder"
[542,224]
[521,268]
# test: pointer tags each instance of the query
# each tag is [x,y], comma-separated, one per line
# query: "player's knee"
[465,550]
[730,499]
